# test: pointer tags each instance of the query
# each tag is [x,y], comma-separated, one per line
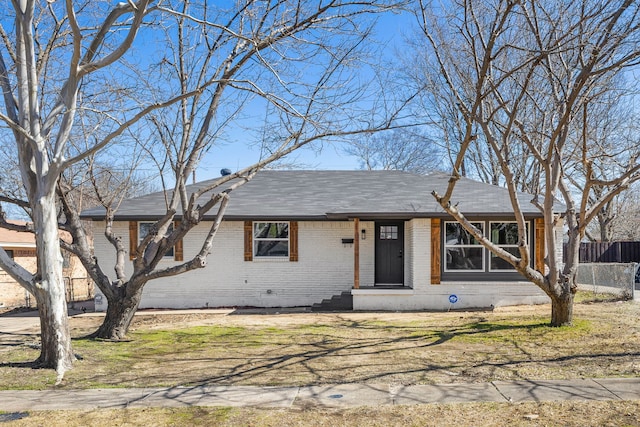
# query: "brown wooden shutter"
[133,239]
[293,241]
[539,244]
[248,241]
[178,251]
[435,251]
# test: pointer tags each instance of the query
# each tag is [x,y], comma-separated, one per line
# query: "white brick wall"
[325,268]
[436,297]
[559,241]
[420,252]
[425,296]
[408,253]
[367,254]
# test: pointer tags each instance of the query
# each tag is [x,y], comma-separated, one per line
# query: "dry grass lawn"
[566,414]
[310,348]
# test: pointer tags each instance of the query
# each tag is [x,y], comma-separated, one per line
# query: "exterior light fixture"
[363,233]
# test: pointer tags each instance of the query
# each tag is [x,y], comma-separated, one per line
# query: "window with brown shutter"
[271,239]
[133,239]
[139,229]
[293,241]
[248,240]
[178,251]
[539,245]
[435,251]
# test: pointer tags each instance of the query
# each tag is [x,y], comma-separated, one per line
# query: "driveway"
[15,328]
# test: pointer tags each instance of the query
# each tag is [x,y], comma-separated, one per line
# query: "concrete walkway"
[328,396]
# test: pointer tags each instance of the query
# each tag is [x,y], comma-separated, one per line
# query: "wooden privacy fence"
[607,252]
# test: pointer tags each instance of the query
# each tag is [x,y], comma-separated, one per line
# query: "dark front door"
[389,252]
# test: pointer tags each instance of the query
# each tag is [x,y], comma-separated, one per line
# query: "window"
[388,232]
[464,258]
[505,235]
[462,251]
[144,228]
[271,239]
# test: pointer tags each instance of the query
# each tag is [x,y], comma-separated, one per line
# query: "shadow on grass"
[319,354]
[13,416]
[25,365]
[305,358]
[18,334]
[367,348]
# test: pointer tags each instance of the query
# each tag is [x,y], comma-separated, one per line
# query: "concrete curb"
[324,396]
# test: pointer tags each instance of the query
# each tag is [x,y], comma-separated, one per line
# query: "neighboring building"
[22,248]
[295,238]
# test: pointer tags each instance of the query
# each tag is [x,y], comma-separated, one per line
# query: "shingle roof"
[340,194]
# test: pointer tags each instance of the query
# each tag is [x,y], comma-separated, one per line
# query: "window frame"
[511,269]
[170,253]
[255,240]
[487,273]
[476,245]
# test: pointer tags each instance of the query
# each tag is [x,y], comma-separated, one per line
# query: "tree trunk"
[562,295]
[120,312]
[562,309]
[56,351]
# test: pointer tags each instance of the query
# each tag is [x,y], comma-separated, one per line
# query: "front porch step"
[342,302]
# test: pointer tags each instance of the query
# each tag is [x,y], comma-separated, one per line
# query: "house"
[296,238]
[21,247]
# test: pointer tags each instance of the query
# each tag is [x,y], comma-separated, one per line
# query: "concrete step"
[342,302]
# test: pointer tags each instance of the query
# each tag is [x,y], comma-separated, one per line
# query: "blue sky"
[391,29]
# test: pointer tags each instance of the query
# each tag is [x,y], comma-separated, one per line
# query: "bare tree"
[40,121]
[521,74]
[610,129]
[626,223]
[286,59]
[403,149]
[447,125]
[618,220]
[58,56]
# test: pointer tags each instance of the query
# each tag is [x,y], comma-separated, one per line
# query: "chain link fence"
[609,278]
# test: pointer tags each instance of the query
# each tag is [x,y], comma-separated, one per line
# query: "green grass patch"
[589,297]
[194,335]
[538,330]
[156,342]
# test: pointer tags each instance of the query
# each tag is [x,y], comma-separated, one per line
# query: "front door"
[389,252]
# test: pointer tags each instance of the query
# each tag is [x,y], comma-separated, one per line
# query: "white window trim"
[512,269]
[446,246]
[140,238]
[257,257]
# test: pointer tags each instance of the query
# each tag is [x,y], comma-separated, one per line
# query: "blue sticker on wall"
[453,299]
